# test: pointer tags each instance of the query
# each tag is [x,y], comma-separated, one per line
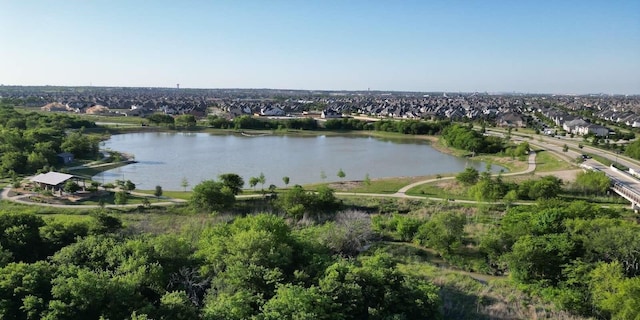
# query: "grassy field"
[446,189]
[184,195]
[547,161]
[383,186]
[110,199]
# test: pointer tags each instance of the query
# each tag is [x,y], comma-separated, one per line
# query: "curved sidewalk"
[531,167]
[4,195]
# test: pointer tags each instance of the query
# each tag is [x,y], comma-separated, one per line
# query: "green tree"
[184,184]
[469,176]
[71,186]
[57,234]
[615,294]
[210,196]
[129,186]
[323,175]
[80,293]
[443,232]
[237,305]
[341,174]
[81,145]
[262,180]
[176,305]
[159,119]
[185,121]
[253,181]
[545,188]
[540,258]
[12,161]
[297,302]
[293,201]
[633,149]
[407,227]
[251,253]
[158,192]
[595,182]
[121,198]
[232,181]
[322,201]
[384,292]
[285,179]
[35,161]
[25,289]
[608,239]
[510,198]
[20,235]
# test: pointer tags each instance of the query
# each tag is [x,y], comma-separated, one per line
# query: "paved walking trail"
[531,167]
[4,195]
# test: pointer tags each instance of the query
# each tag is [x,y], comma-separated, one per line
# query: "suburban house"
[573,125]
[65,157]
[597,130]
[330,113]
[271,111]
[510,119]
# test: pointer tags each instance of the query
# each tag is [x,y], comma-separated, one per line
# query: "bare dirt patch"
[345,185]
[565,175]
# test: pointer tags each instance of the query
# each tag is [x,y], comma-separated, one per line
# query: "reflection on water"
[166,158]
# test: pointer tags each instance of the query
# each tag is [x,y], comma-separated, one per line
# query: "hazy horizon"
[535,47]
[334,90]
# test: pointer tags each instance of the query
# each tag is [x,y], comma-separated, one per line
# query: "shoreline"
[432,141]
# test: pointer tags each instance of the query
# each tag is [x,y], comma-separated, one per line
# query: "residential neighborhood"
[577,115]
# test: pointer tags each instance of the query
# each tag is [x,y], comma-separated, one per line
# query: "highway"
[624,183]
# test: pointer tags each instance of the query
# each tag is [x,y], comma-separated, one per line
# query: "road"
[556,146]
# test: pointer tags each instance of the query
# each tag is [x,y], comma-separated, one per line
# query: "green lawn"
[434,191]
[110,199]
[391,185]
[384,186]
[184,195]
[547,161]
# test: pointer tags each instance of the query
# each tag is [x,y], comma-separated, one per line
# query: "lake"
[166,158]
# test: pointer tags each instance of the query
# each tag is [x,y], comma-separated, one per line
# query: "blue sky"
[495,46]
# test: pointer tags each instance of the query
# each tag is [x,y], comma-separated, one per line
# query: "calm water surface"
[166,158]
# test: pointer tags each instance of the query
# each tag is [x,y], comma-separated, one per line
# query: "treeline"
[401,126]
[31,141]
[248,122]
[485,187]
[465,138]
[256,267]
[411,126]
